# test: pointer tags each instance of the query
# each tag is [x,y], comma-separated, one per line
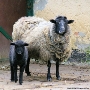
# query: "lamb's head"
[19,46]
[61,24]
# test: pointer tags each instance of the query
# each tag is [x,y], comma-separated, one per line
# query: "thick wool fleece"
[43,42]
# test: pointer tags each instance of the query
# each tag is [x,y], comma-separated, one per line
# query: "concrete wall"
[10,11]
[78,10]
[39,5]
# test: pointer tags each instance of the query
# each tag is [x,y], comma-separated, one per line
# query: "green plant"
[87,51]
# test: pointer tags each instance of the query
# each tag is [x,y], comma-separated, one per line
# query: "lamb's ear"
[26,44]
[70,21]
[53,21]
[12,43]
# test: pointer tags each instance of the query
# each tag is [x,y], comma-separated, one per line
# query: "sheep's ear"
[12,43]
[70,21]
[53,21]
[26,44]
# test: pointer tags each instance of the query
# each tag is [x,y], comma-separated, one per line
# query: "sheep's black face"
[61,23]
[19,47]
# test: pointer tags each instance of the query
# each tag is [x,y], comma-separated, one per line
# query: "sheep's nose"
[19,52]
[62,30]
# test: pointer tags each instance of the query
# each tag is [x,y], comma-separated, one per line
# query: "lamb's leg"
[27,68]
[12,73]
[48,74]
[57,69]
[15,73]
[21,74]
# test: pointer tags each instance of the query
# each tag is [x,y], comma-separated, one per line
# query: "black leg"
[12,73]
[57,69]
[27,68]
[15,73]
[21,75]
[48,74]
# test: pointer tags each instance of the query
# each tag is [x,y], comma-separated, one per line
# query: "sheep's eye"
[65,17]
[16,45]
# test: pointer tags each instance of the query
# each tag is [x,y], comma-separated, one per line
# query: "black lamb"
[18,57]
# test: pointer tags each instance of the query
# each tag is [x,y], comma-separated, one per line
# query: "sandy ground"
[72,77]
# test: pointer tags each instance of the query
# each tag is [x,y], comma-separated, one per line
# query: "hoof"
[58,78]
[49,78]
[20,83]
[16,80]
[12,80]
[29,74]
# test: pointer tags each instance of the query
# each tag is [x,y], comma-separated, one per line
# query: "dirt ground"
[73,77]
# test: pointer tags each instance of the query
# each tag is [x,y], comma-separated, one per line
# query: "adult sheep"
[18,56]
[48,40]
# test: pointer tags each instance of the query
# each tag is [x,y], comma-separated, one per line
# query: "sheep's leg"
[15,74]
[27,68]
[57,69]
[12,73]
[21,74]
[48,74]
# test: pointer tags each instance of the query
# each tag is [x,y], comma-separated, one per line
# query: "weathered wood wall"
[10,11]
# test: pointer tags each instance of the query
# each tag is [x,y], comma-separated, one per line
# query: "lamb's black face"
[61,23]
[19,46]
[19,49]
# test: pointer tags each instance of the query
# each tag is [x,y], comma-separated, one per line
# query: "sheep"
[18,55]
[48,40]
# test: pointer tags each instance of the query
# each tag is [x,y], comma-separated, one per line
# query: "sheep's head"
[61,23]
[19,46]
